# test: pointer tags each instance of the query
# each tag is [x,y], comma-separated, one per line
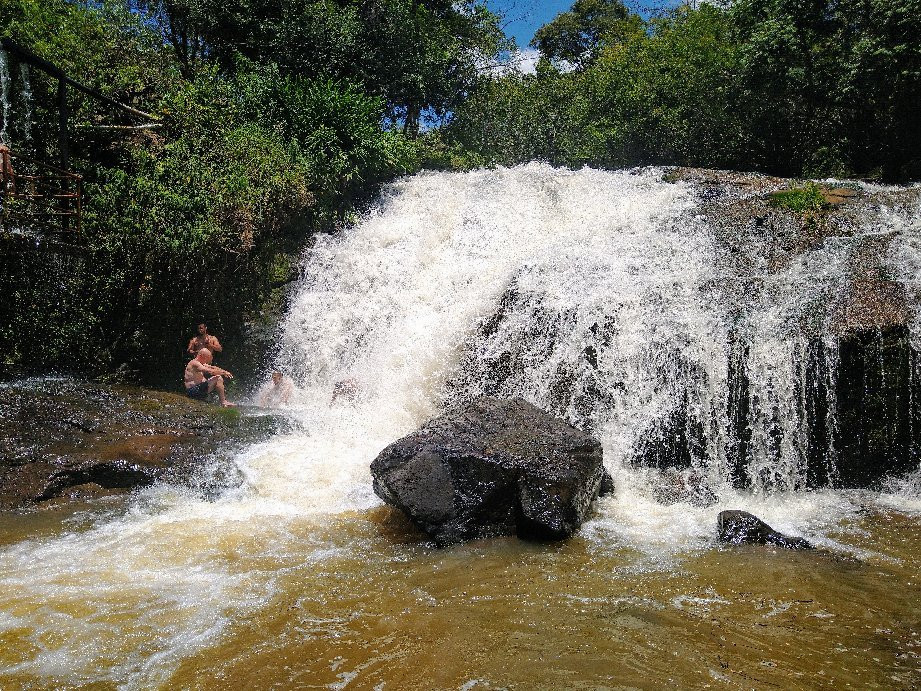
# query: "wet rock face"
[741,527]
[68,440]
[856,390]
[877,407]
[496,467]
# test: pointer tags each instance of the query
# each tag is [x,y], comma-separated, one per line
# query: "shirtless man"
[201,378]
[6,170]
[204,340]
[276,392]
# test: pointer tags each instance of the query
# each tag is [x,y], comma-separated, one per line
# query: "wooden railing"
[38,197]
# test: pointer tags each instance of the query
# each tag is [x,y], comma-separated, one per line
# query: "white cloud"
[525,61]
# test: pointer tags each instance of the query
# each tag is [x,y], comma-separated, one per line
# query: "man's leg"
[216,383]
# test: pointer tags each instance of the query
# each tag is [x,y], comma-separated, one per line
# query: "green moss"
[148,405]
[800,199]
[228,416]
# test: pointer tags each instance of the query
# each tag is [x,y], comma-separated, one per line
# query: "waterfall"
[27,105]
[606,298]
[616,300]
[5,95]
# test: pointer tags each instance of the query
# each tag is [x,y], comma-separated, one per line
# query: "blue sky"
[524,17]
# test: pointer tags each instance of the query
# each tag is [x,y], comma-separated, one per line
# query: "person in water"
[276,392]
[204,340]
[201,378]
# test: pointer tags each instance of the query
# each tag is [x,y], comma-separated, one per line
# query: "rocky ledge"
[495,467]
[65,440]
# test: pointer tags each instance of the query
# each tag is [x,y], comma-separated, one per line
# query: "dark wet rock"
[674,441]
[859,387]
[740,527]
[607,484]
[688,486]
[576,388]
[495,467]
[877,406]
[64,440]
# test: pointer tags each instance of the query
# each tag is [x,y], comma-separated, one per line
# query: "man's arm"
[211,369]
[191,348]
[214,345]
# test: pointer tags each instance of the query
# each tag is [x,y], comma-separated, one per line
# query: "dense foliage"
[824,87]
[263,139]
[417,55]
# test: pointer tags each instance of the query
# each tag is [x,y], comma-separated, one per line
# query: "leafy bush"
[200,219]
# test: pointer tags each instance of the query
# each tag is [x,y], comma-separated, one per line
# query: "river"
[605,297]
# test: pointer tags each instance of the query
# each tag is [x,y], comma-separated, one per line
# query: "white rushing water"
[5,84]
[27,97]
[601,296]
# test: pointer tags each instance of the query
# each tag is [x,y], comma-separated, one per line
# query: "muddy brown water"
[362,601]
[506,614]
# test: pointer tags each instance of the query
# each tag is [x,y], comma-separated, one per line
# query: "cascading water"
[610,299]
[27,104]
[5,95]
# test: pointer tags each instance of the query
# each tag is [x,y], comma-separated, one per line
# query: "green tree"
[661,93]
[789,67]
[418,55]
[666,95]
[577,36]
[202,218]
[880,84]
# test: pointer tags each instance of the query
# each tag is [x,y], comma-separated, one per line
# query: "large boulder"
[740,527]
[495,467]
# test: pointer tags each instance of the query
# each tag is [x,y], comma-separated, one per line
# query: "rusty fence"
[38,197]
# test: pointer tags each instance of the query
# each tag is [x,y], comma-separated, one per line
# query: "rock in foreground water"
[496,467]
[741,527]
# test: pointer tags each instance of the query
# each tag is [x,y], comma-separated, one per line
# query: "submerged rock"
[740,527]
[496,467]
[690,487]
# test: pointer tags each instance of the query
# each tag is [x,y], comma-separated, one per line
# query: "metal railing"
[39,197]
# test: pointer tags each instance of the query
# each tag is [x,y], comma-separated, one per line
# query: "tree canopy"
[816,88]
[576,36]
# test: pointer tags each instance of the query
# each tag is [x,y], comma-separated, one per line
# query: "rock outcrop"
[63,440]
[496,467]
[740,527]
[857,367]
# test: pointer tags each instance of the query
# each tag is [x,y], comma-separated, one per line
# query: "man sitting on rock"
[201,378]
